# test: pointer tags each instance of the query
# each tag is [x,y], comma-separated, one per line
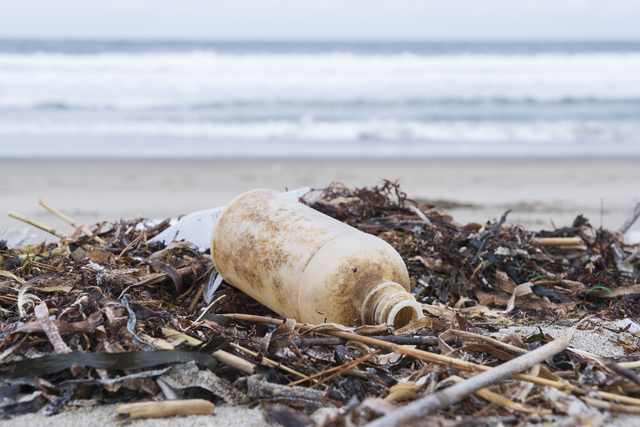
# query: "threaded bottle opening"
[390,303]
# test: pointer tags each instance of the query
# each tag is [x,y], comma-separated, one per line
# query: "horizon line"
[317,39]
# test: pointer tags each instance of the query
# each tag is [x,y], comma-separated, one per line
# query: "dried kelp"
[103,316]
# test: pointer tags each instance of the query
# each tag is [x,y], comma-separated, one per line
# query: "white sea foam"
[558,132]
[319,103]
[156,80]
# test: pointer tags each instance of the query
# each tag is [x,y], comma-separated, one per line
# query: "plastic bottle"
[305,265]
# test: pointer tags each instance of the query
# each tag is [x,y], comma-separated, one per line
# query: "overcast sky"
[322,19]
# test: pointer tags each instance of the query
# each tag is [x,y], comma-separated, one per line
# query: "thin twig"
[346,367]
[46,266]
[621,370]
[208,308]
[236,362]
[421,215]
[611,407]
[70,221]
[196,298]
[436,358]
[633,256]
[326,371]
[129,246]
[441,400]
[558,241]
[38,224]
[632,218]
[269,361]
[618,253]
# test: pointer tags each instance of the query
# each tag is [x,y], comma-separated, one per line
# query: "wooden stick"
[571,247]
[436,358]
[568,283]
[414,411]
[632,218]
[326,371]
[346,367]
[633,256]
[269,361]
[559,241]
[69,221]
[208,308]
[619,256]
[166,408]
[39,225]
[234,361]
[505,401]
[630,365]
[129,246]
[46,266]
[612,407]
[421,215]
[196,298]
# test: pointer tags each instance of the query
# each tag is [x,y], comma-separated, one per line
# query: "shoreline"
[472,190]
[185,148]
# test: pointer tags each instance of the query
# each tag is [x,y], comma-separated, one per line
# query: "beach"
[539,192]
[105,130]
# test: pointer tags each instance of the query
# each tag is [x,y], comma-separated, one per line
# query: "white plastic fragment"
[503,251]
[197,226]
[622,324]
[15,237]
[95,267]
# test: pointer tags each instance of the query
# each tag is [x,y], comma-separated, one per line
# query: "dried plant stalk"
[37,224]
[559,241]
[69,221]
[437,358]
[235,362]
[166,408]
[441,400]
[630,220]
[269,361]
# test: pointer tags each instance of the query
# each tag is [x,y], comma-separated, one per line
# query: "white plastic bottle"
[305,265]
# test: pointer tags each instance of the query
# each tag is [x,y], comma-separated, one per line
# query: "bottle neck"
[390,303]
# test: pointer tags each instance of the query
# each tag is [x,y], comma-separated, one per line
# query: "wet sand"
[537,190]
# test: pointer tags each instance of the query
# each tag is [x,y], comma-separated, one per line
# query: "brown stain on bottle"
[355,278]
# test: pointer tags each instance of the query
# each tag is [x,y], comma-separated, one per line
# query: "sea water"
[168,99]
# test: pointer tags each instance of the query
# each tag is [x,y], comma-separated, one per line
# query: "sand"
[98,416]
[537,190]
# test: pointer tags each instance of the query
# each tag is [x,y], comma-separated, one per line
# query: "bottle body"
[305,265]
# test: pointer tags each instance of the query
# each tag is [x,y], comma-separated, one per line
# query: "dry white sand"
[224,415]
[99,416]
[537,190]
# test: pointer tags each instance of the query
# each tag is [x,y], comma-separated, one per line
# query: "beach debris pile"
[105,316]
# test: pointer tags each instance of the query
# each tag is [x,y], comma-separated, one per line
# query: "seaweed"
[103,315]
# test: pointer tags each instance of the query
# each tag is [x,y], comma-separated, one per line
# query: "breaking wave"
[573,97]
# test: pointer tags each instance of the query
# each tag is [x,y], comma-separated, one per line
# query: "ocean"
[185,99]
